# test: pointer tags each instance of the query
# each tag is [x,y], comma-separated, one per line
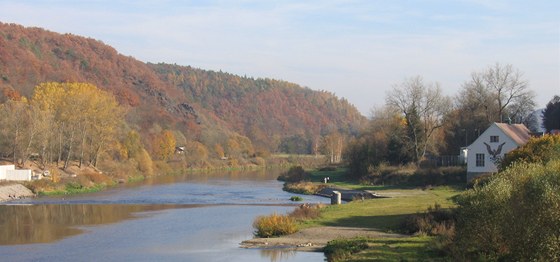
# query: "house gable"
[492,145]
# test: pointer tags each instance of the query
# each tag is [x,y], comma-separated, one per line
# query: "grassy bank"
[385,214]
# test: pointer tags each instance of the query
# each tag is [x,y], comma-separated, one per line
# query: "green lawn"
[384,214]
[397,249]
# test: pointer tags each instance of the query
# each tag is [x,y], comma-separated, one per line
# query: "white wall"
[478,147]
[18,175]
[3,170]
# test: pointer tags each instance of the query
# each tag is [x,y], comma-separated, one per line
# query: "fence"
[439,161]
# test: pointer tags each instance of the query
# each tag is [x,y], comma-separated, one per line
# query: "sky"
[356,49]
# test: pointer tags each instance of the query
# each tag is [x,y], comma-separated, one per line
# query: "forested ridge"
[213,114]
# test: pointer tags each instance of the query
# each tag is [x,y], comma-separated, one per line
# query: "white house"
[492,145]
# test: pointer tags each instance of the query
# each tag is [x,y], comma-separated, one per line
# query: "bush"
[306,188]
[413,176]
[435,221]
[97,178]
[274,225]
[515,217]
[296,198]
[342,249]
[537,150]
[73,186]
[306,212]
[295,174]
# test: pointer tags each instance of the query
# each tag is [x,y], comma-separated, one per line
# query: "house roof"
[518,132]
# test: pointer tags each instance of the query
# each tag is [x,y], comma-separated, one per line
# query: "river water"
[191,217]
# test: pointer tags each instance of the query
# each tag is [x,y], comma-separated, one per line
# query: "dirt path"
[314,239]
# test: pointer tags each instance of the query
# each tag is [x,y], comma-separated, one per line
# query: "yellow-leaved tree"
[86,119]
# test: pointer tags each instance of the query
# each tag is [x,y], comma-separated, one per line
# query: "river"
[191,217]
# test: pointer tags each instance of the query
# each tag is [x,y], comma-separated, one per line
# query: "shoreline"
[314,239]
[14,191]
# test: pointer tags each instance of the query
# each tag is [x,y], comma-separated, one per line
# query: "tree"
[501,92]
[84,116]
[423,107]
[165,144]
[14,119]
[551,115]
[333,146]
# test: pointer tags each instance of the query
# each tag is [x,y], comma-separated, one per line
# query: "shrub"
[295,174]
[296,198]
[306,188]
[306,212]
[435,221]
[515,217]
[274,225]
[97,178]
[413,176]
[537,150]
[342,249]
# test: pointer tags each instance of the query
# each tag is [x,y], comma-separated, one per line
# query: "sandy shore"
[314,239]
[14,191]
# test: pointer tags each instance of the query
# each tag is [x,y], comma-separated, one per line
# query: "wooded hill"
[206,107]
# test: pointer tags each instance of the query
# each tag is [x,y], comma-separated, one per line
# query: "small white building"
[9,172]
[492,145]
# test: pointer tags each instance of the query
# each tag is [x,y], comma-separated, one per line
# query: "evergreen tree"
[551,115]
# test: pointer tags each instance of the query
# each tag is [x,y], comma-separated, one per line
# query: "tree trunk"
[69,153]
[83,145]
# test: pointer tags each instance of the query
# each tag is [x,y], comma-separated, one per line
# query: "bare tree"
[502,92]
[423,107]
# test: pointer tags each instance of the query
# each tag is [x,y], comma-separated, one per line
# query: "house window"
[494,139]
[479,159]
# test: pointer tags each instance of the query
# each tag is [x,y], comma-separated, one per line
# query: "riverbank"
[14,191]
[376,220]
[315,239]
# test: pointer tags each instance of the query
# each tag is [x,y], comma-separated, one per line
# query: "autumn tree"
[14,120]
[333,146]
[423,107]
[85,117]
[165,144]
[219,150]
[132,144]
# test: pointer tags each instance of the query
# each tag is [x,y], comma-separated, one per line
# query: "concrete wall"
[3,170]
[18,175]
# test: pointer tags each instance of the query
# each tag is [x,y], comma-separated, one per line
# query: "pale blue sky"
[356,49]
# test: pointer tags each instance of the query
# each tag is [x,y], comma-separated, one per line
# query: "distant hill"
[204,106]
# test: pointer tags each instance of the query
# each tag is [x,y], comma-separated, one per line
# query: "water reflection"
[27,224]
[191,217]
[276,255]
[210,176]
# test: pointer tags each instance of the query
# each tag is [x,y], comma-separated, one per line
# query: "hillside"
[204,106]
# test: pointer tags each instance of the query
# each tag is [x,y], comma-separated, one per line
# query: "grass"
[397,249]
[384,213]
[274,225]
[74,190]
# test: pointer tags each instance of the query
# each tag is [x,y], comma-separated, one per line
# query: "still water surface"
[192,217]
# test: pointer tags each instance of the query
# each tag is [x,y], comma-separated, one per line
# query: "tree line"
[62,122]
[418,120]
